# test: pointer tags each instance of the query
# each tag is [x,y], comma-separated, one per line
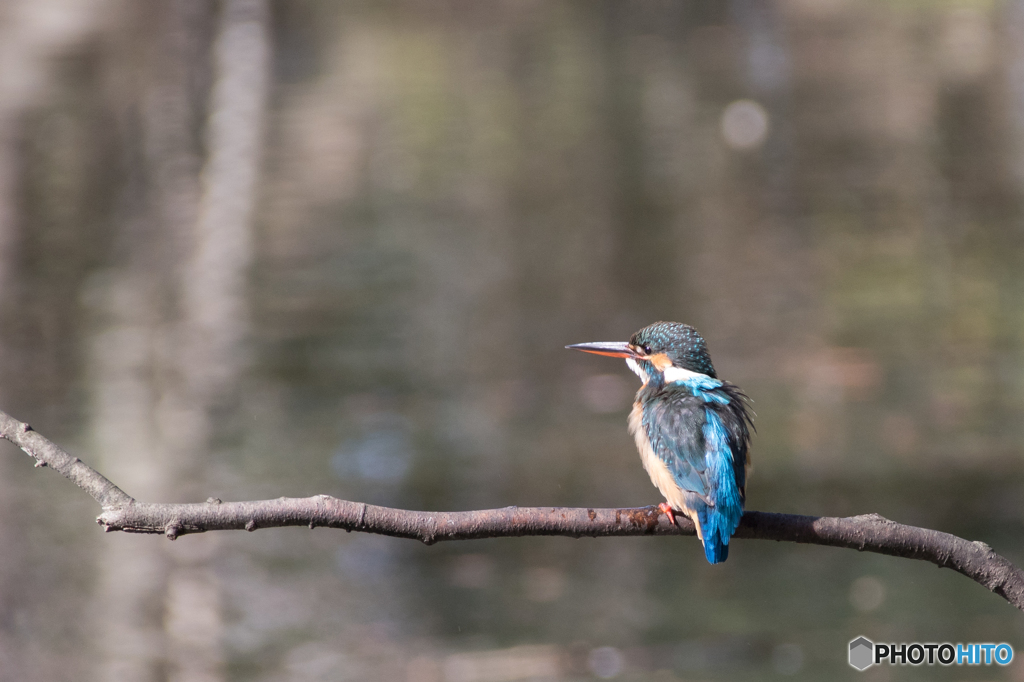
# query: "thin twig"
[868,533]
[48,454]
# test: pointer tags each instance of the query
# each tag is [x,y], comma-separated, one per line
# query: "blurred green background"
[250,250]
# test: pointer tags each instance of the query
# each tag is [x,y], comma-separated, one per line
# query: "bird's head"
[662,352]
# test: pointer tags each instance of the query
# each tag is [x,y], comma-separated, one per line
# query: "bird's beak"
[615,349]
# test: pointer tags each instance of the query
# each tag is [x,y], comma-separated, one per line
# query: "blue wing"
[674,424]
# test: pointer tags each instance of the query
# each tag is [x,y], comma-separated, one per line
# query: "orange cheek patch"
[660,361]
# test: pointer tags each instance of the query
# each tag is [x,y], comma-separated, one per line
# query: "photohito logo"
[864,653]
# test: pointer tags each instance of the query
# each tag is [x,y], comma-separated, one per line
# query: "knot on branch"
[428,535]
[644,517]
[873,518]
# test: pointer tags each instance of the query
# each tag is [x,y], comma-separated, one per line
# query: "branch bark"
[867,533]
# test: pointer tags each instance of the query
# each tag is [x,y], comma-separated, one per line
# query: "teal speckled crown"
[681,342]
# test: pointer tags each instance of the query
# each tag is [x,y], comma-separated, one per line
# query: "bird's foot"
[669,511]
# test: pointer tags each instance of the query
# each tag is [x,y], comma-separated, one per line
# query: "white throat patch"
[679,374]
[637,369]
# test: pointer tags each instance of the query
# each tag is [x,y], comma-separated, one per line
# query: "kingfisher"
[692,429]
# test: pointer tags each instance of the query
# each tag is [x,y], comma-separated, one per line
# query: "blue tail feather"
[716,536]
[716,552]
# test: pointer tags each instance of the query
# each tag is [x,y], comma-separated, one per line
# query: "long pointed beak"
[615,349]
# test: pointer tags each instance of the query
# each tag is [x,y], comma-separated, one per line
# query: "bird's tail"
[716,551]
[717,525]
[717,529]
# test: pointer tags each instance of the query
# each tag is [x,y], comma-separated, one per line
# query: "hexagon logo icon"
[862,653]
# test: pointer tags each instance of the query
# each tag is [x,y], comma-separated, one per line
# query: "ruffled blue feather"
[720,521]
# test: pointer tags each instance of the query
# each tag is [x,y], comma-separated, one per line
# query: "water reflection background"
[446,195]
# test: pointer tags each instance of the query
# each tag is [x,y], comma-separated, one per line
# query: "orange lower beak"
[614,349]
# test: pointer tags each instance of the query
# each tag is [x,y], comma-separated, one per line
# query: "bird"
[692,429]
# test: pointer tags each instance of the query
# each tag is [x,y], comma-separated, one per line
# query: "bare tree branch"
[868,533]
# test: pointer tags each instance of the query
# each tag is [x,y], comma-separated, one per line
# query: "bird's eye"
[647,349]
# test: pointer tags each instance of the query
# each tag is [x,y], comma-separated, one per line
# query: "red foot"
[669,512]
